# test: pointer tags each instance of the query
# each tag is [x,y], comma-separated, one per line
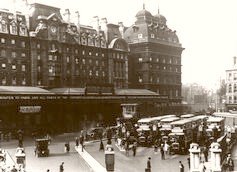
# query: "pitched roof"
[22,90]
[67,91]
[134,92]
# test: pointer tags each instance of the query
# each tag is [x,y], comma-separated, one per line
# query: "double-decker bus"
[215,128]
[148,129]
[186,116]
[181,135]
[166,126]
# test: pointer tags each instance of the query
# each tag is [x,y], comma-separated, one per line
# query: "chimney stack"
[234,58]
[67,15]
[121,29]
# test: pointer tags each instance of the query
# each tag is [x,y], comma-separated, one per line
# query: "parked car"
[41,147]
[95,133]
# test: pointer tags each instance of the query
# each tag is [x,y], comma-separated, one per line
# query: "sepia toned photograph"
[118,86]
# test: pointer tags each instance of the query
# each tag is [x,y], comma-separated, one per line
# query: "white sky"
[207,29]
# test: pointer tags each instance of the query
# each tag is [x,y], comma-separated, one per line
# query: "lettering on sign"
[30,109]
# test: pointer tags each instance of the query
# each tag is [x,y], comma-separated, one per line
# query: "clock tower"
[53,27]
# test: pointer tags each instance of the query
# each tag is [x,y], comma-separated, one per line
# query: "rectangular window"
[152,36]
[38,46]
[23,54]
[68,59]
[140,59]
[14,67]
[4,81]
[23,44]
[3,65]
[3,53]
[14,81]
[13,54]
[23,81]
[50,57]
[3,40]
[23,68]
[39,69]
[235,76]
[139,35]
[13,41]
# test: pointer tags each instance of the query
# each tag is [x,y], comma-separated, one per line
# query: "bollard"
[194,157]
[109,160]
[215,157]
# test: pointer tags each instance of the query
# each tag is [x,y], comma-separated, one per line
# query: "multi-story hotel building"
[155,56]
[231,87]
[52,52]
[89,74]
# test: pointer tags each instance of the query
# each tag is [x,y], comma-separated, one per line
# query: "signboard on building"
[29,109]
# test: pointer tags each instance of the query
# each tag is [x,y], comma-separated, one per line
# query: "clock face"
[53,29]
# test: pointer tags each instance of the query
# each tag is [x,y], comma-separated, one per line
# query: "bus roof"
[181,122]
[225,114]
[144,120]
[187,115]
[171,119]
[215,119]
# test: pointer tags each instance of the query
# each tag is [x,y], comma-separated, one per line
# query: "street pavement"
[124,163]
[93,160]
[73,162]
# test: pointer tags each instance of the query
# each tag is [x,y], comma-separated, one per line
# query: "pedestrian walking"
[67,147]
[61,168]
[47,170]
[148,165]
[231,165]
[134,148]
[202,167]
[162,152]
[77,141]
[166,148]
[127,148]
[101,145]
[205,152]
[155,148]
[13,169]
[82,142]
[188,159]
[181,166]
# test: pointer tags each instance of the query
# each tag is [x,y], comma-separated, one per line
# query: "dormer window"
[139,35]
[135,28]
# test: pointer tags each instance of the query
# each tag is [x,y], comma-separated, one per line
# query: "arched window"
[13,28]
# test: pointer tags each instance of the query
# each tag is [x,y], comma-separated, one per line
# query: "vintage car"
[41,147]
[95,133]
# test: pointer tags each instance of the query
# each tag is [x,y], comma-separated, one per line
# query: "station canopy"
[68,91]
[136,92]
[23,90]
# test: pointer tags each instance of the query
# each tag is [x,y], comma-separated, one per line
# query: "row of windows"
[13,42]
[232,77]
[170,92]
[13,28]
[170,80]
[14,67]
[167,60]
[229,88]
[74,51]
[13,81]
[232,99]
[53,71]
[168,68]
[13,54]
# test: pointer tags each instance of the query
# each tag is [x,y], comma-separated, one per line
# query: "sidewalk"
[96,166]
